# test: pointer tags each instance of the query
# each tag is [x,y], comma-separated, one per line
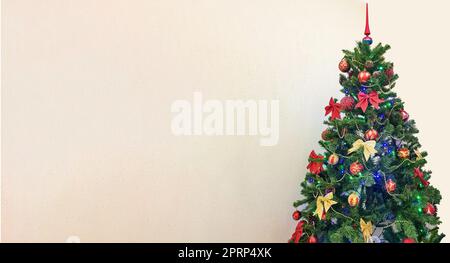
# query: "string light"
[363,89]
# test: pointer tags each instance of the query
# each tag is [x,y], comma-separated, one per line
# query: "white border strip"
[1,148]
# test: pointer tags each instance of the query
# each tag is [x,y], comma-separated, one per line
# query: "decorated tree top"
[369,184]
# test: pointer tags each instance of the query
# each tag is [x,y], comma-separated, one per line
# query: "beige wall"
[87,86]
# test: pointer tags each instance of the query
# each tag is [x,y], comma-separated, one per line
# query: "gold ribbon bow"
[366,229]
[368,146]
[418,154]
[323,204]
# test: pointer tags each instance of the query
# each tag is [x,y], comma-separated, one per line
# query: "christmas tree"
[370,184]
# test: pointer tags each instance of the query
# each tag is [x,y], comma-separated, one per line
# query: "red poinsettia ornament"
[334,108]
[364,100]
[315,165]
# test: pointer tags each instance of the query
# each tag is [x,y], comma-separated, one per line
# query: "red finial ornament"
[367,39]
[367,31]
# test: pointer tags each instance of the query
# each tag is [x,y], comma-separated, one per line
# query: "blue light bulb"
[363,89]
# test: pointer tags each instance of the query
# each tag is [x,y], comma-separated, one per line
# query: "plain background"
[87,86]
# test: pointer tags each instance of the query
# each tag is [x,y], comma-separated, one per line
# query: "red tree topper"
[315,163]
[334,108]
[365,99]
[367,29]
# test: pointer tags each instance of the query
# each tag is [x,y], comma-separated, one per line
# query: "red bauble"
[347,103]
[429,209]
[403,153]
[356,168]
[371,134]
[312,239]
[404,114]
[333,159]
[389,73]
[390,186]
[296,215]
[409,240]
[353,199]
[363,76]
[344,66]
[326,135]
